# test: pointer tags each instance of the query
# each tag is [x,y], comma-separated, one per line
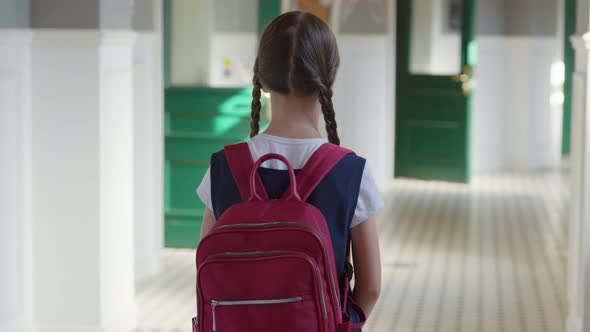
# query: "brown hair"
[297,55]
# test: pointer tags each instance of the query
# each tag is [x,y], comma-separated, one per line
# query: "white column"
[149,148]
[579,214]
[82,180]
[15,240]
[149,215]
[116,242]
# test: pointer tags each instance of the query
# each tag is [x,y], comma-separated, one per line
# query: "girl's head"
[298,56]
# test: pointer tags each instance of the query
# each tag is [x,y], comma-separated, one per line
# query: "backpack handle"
[291,194]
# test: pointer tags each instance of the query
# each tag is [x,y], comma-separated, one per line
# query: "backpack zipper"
[218,303]
[277,252]
[286,223]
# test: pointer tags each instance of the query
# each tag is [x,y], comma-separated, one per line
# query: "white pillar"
[15,239]
[579,216]
[149,149]
[82,180]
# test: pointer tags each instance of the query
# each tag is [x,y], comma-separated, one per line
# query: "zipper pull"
[213,305]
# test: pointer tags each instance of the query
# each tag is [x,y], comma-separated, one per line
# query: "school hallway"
[484,257]
[473,116]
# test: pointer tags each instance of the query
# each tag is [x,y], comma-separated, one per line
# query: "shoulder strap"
[318,166]
[241,163]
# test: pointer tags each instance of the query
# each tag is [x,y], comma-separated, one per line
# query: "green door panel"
[198,122]
[433,111]
[568,59]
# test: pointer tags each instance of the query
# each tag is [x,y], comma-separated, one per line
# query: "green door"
[436,53]
[199,121]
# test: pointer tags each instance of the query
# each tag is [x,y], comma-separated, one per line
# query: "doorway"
[435,58]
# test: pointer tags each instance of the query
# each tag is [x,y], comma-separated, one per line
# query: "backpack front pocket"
[284,293]
[245,304]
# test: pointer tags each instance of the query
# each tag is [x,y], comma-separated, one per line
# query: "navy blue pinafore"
[336,197]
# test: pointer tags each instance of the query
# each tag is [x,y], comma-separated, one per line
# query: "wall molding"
[117,37]
[55,38]
[15,36]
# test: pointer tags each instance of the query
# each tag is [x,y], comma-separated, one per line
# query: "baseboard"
[15,36]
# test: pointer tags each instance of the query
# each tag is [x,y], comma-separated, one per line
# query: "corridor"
[489,257]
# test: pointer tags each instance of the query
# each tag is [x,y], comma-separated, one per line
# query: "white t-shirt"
[298,151]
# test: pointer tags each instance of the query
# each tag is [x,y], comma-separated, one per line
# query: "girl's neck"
[294,117]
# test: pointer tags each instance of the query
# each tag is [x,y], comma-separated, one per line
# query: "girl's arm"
[367,265]
[208,222]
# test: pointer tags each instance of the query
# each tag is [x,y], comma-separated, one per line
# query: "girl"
[297,63]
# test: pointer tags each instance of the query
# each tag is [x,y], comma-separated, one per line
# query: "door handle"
[464,78]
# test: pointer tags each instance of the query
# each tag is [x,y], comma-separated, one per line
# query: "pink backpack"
[268,265]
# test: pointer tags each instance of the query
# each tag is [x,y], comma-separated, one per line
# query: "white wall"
[14,14]
[68,14]
[240,50]
[189,44]
[364,97]
[514,125]
[15,239]
[213,42]
[115,14]
[516,17]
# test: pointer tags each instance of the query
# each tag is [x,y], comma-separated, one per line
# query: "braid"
[256,106]
[325,97]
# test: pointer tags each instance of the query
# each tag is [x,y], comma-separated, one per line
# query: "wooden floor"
[488,257]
